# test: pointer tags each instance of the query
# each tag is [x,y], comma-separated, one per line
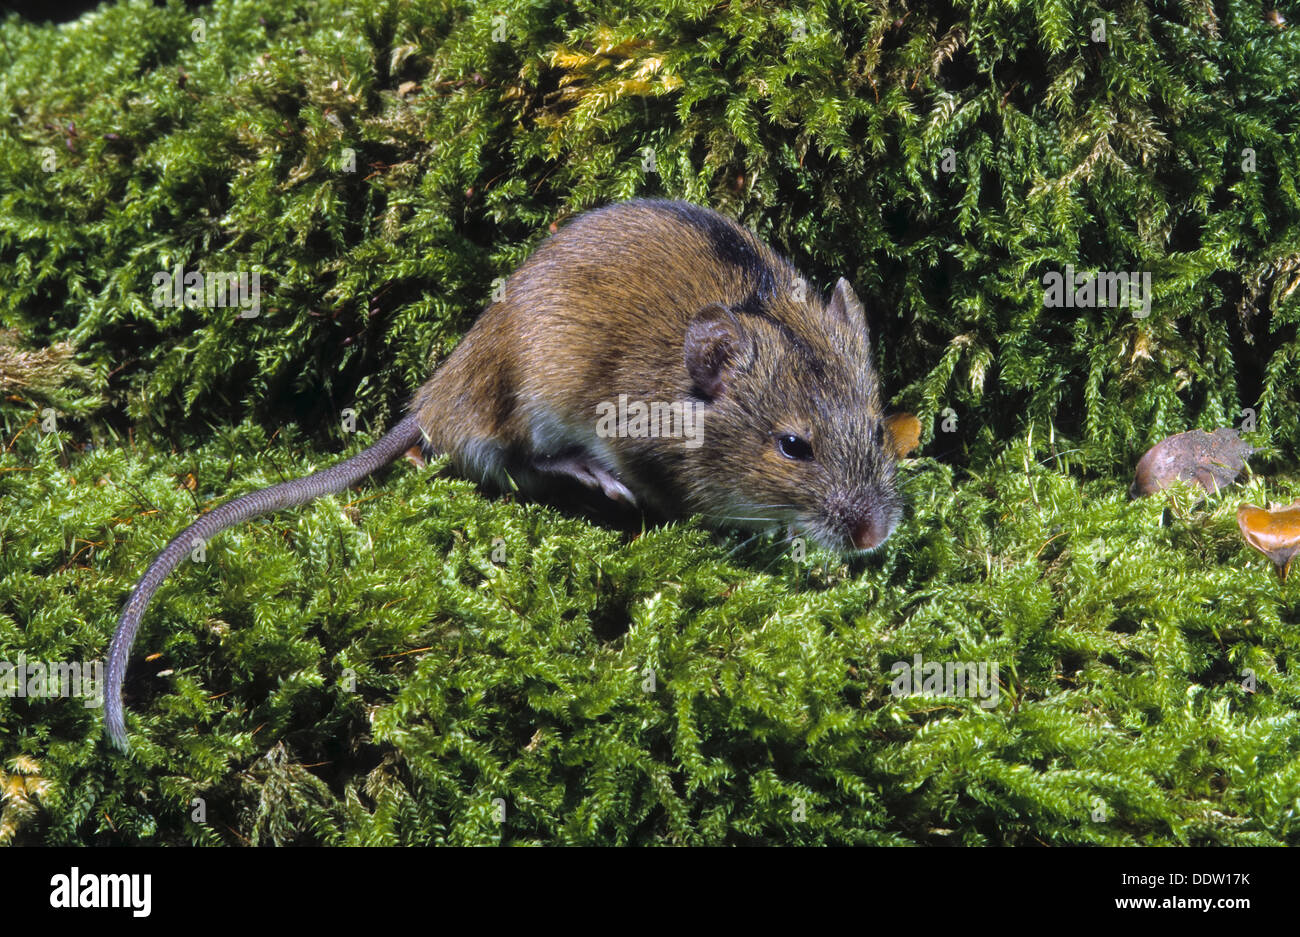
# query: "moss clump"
[401,665]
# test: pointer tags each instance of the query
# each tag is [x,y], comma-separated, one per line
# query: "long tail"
[276,498]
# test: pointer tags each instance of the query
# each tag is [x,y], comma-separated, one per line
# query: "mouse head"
[792,428]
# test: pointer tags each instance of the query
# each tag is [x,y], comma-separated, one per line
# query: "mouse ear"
[846,306]
[904,432]
[715,348]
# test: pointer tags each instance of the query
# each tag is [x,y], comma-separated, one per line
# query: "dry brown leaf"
[1274,532]
[1212,460]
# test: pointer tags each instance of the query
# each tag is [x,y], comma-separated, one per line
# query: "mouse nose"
[867,534]
[872,527]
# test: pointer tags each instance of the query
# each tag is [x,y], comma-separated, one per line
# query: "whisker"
[780,554]
[741,517]
[1057,455]
[748,540]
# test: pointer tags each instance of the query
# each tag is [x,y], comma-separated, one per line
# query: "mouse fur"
[652,301]
[687,281]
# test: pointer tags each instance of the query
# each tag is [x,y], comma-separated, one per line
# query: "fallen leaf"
[1275,532]
[1212,460]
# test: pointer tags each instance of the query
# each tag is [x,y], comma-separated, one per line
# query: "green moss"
[363,670]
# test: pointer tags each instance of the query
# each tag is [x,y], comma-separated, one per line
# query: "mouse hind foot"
[588,470]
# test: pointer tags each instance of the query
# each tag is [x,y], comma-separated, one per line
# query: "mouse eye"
[794,447]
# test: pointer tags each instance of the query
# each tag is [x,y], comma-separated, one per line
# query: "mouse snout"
[872,526]
[868,534]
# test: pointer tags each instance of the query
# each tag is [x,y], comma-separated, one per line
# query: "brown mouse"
[656,351]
